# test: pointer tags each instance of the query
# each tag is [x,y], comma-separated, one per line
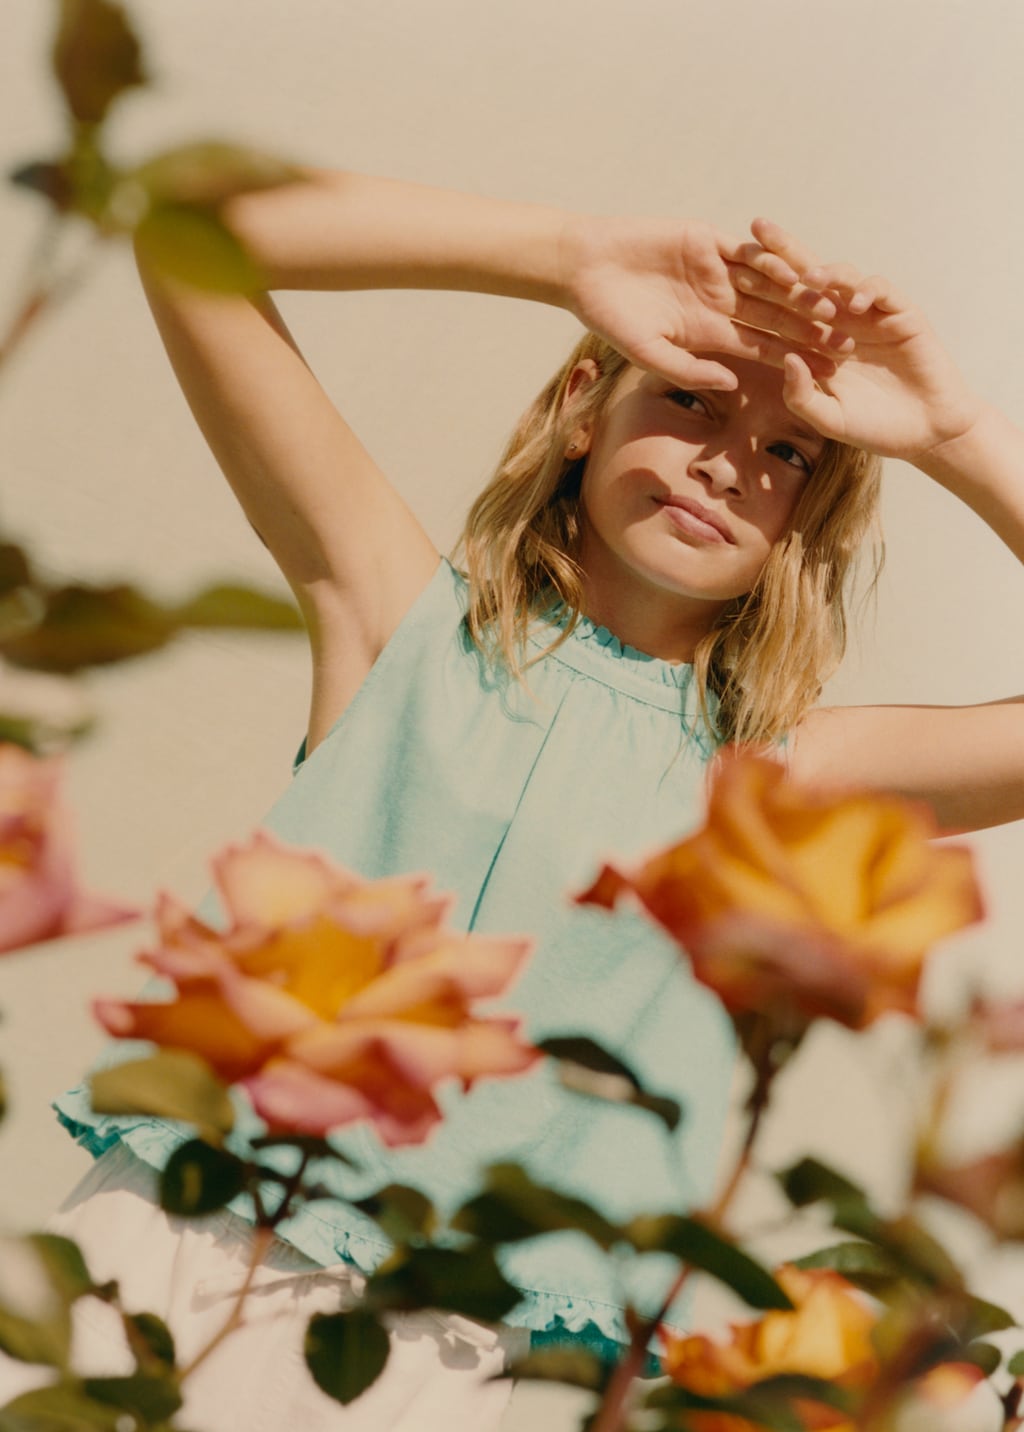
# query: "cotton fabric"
[511,797]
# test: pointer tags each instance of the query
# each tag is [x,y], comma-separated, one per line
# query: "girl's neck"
[659,623]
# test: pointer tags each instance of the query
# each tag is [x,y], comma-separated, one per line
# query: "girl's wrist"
[952,450]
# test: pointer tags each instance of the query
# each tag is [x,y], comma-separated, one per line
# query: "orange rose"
[328,997]
[819,904]
[38,896]
[827,1335]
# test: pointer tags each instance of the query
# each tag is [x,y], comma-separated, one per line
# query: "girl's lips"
[695,520]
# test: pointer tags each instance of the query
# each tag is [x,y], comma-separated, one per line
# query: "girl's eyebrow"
[807,434]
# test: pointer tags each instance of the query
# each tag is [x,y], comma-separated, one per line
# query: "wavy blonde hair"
[770,651]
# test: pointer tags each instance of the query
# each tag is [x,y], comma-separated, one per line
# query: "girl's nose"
[718,472]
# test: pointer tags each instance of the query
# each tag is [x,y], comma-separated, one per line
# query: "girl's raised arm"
[352,551]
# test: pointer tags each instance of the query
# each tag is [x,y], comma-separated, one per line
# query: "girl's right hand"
[660,289]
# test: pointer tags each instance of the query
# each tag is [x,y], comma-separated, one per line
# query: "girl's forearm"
[984,467]
[338,230]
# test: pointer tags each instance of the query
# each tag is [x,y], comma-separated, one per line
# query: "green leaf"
[153,1399]
[210,171]
[150,1340]
[588,1068]
[569,1365]
[402,1212]
[64,1264]
[984,1355]
[89,626]
[39,1340]
[981,1318]
[512,1207]
[864,1264]
[96,57]
[239,608]
[1015,1367]
[346,1352]
[47,177]
[199,1179]
[197,248]
[773,1412]
[693,1242]
[64,1407]
[810,1181]
[172,1084]
[456,1280]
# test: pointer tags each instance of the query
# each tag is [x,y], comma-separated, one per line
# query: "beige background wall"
[885,132]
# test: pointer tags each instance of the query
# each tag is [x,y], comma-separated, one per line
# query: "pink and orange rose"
[39,898]
[329,998]
[819,904]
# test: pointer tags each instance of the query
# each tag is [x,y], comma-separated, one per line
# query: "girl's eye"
[792,456]
[687,400]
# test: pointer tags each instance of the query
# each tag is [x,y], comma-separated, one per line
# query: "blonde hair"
[769,652]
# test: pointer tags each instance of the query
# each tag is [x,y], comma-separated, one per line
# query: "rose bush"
[328,997]
[39,899]
[824,905]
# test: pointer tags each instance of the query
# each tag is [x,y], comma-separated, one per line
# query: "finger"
[764,314]
[876,292]
[763,261]
[839,278]
[774,237]
[793,296]
[808,402]
[678,366]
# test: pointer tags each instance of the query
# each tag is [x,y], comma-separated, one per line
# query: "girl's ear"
[583,374]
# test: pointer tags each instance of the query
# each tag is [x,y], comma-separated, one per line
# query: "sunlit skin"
[652,576]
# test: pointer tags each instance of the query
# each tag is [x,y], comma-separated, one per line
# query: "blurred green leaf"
[810,1181]
[346,1352]
[199,1179]
[456,1280]
[210,171]
[1015,1367]
[197,248]
[979,1318]
[402,1212]
[36,1340]
[238,608]
[15,568]
[588,1068]
[66,629]
[153,1399]
[512,1207]
[64,1264]
[569,1365]
[172,1084]
[150,1340]
[693,1242]
[96,57]
[61,1408]
[983,1355]
[48,177]
[89,626]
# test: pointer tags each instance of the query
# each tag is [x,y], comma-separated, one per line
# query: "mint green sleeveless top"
[511,798]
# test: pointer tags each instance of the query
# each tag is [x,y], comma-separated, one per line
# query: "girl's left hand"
[898,393]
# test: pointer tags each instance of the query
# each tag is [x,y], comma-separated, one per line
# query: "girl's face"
[684,492]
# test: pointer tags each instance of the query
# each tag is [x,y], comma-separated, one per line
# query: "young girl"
[660,557]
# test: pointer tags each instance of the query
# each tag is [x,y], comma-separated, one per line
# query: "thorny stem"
[263,1237]
[610,1414]
[261,1241]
